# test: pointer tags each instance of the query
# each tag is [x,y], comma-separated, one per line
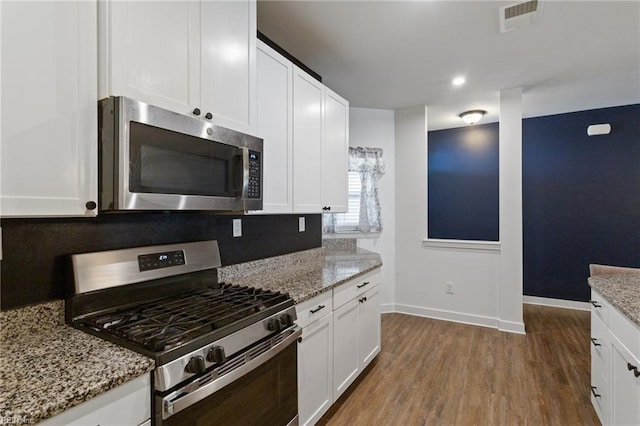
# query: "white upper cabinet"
[228,62]
[49,109]
[335,151]
[305,127]
[308,100]
[191,57]
[274,125]
[150,51]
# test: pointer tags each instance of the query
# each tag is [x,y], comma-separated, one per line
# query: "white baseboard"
[388,308]
[557,303]
[447,316]
[511,327]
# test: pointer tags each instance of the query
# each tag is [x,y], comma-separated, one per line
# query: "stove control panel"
[148,262]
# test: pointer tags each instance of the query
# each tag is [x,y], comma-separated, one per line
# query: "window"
[363,215]
[348,222]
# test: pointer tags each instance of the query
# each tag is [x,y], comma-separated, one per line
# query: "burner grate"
[169,322]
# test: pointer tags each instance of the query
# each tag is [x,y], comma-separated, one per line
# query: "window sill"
[462,244]
[353,234]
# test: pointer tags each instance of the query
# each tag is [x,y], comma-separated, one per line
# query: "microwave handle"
[245,172]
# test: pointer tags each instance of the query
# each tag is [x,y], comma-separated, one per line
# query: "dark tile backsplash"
[35,251]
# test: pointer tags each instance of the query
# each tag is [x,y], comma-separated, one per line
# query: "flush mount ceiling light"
[458,81]
[473,116]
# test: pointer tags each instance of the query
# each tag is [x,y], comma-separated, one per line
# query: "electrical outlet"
[448,287]
[237,227]
[301,224]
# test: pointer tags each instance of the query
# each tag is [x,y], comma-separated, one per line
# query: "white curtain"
[369,164]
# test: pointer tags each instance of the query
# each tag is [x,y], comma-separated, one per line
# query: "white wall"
[421,272]
[375,128]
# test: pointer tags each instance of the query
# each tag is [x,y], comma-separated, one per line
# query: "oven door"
[259,387]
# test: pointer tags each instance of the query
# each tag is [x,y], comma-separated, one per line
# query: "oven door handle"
[185,397]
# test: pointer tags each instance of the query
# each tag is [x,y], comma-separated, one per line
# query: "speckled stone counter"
[47,367]
[622,291]
[304,274]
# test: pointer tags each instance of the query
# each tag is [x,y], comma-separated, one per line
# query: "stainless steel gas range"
[224,354]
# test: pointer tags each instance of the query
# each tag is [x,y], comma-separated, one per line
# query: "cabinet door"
[274,125]
[126,404]
[315,370]
[228,68]
[345,346]
[335,150]
[150,51]
[369,326]
[49,108]
[625,396]
[307,142]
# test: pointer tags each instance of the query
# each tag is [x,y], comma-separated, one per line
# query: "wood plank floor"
[433,372]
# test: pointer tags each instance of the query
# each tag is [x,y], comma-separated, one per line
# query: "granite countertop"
[622,291]
[305,274]
[47,367]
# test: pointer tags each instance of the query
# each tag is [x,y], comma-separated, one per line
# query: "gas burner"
[167,323]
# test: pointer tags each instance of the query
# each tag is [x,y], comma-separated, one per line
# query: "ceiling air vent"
[520,15]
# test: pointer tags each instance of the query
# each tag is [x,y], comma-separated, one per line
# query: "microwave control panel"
[254,174]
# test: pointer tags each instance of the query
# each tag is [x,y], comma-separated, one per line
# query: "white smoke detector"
[519,15]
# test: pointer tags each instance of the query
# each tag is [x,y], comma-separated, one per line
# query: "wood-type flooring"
[433,372]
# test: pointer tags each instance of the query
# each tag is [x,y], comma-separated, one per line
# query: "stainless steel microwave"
[155,159]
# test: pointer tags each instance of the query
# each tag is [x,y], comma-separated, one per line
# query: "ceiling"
[395,54]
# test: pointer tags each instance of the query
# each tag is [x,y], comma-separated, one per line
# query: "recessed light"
[458,81]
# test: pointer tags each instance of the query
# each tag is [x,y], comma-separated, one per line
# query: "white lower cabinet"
[126,405]
[315,360]
[615,364]
[345,349]
[340,337]
[625,396]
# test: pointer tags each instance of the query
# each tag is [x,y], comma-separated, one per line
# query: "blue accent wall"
[463,183]
[581,199]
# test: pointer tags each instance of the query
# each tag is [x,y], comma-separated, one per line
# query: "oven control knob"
[195,365]
[287,320]
[274,324]
[216,354]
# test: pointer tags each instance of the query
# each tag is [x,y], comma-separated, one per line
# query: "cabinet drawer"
[355,287]
[600,345]
[600,306]
[314,309]
[627,332]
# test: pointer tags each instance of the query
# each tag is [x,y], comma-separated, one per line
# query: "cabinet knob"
[196,111]
[91,205]
[208,116]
